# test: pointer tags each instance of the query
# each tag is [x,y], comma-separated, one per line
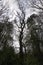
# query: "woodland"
[28,32]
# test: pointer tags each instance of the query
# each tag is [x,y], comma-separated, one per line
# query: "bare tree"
[4,9]
[37,4]
[21,24]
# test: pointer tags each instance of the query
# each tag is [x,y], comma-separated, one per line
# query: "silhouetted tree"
[21,24]
[34,37]
[6,30]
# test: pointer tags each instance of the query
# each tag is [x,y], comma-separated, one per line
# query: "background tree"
[6,30]
[34,36]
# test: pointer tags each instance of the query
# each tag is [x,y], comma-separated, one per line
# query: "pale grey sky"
[13,7]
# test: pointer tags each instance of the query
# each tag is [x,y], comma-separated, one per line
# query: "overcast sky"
[13,7]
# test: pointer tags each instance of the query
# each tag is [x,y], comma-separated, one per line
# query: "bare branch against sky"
[13,7]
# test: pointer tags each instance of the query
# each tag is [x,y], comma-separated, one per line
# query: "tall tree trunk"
[21,47]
